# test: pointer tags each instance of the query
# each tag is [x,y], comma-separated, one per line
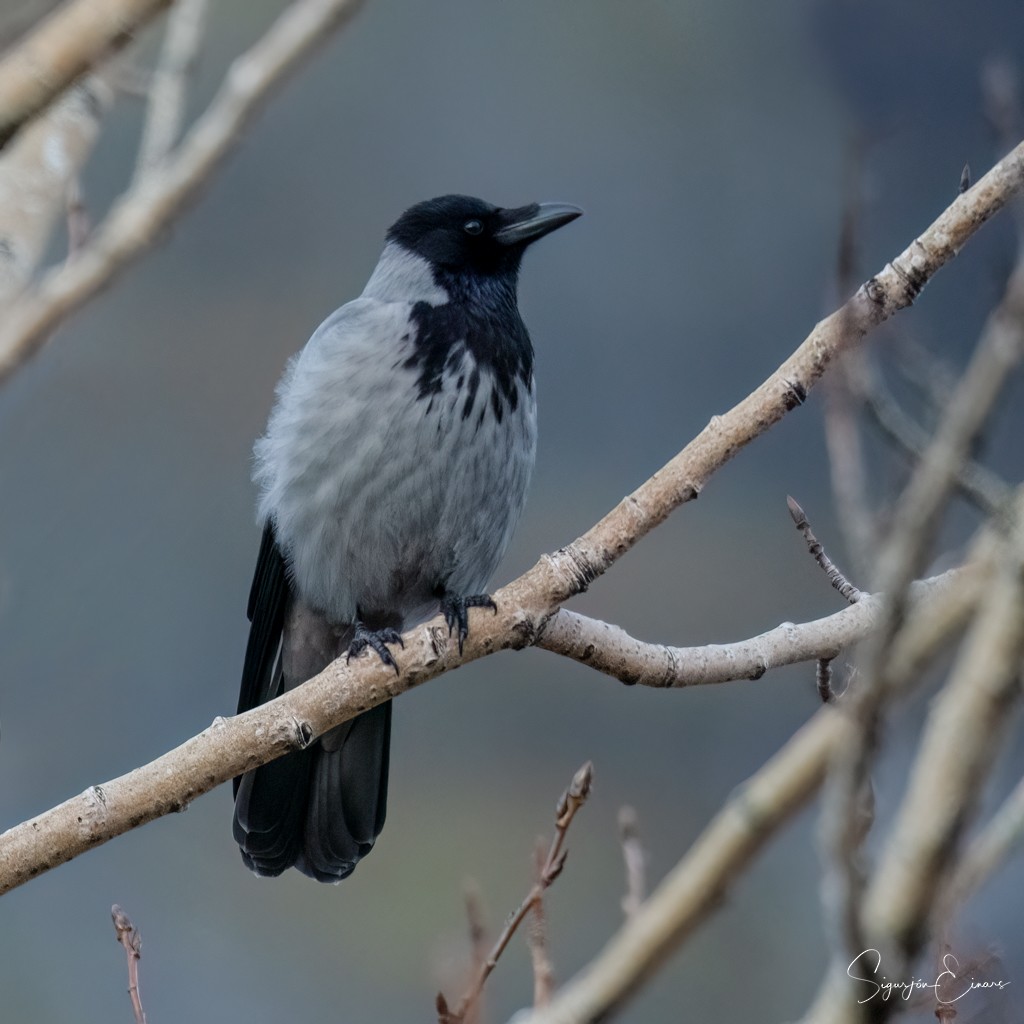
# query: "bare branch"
[166,108]
[840,406]
[611,650]
[931,376]
[537,937]
[137,219]
[835,577]
[60,50]
[477,943]
[129,937]
[233,746]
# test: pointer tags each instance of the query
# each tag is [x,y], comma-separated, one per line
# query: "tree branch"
[236,745]
[611,650]
[60,50]
[137,219]
[167,91]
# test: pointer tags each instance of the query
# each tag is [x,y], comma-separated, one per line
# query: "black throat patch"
[481,320]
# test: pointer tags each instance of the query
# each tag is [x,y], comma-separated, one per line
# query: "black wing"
[268,605]
[319,809]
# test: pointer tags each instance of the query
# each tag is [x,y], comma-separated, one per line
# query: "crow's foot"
[376,640]
[456,612]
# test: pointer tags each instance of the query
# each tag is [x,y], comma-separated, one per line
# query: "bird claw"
[376,640]
[455,611]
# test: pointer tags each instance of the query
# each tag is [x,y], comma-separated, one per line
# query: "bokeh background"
[708,142]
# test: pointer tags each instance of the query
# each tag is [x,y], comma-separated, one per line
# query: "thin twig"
[537,937]
[976,483]
[477,941]
[927,372]
[635,860]
[823,680]
[129,937]
[847,470]
[835,577]
[182,41]
[568,804]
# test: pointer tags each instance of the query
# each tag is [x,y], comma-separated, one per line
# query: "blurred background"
[709,144]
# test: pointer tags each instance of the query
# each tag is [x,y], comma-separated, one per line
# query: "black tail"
[319,809]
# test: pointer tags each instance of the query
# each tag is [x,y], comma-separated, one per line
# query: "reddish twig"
[477,940]
[129,937]
[537,938]
[568,804]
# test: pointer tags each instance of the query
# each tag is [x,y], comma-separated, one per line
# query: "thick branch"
[137,219]
[340,692]
[60,49]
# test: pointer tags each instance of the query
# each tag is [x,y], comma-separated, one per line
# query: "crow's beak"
[528,223]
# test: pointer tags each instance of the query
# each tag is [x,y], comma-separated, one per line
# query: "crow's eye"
[472,227]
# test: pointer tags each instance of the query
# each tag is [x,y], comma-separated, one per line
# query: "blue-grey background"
[708,143]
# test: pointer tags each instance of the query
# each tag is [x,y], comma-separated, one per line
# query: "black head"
[467,235]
